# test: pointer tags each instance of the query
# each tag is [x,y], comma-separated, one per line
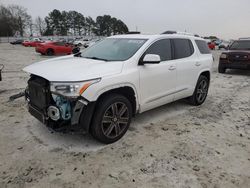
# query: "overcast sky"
[223,18]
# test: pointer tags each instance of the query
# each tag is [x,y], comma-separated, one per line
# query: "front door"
[158,81]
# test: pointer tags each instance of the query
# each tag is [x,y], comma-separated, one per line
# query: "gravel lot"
[176,145]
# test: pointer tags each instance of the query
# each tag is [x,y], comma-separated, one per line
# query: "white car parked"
[100,89]
[81,42]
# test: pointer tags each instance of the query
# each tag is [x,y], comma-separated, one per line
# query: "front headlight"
[71,89]
[223,56]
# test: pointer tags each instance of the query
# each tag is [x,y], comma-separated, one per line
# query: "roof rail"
[180,33]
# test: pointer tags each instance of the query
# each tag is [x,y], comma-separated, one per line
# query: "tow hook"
[16,96]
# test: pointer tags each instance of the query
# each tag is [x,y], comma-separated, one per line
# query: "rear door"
[188,66]
[158,81]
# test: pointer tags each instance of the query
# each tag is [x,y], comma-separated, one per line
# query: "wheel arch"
[206,73]
[127,91]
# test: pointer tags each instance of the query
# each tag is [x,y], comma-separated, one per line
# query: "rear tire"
[111,119]
[200,93]
[50,52]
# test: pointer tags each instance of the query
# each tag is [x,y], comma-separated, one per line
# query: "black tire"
[76,50]
[50,52]
[221,69]
[111,119]
[200,93]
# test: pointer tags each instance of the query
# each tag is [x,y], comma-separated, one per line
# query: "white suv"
[99,89]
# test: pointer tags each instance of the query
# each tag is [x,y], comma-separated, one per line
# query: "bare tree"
[21,16]
[89,25]
[30,25]
[7,26]
[40,25]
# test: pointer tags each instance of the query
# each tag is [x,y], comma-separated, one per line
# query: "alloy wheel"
[115,120]
[202,91]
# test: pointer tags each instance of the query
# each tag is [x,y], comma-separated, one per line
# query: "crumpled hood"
[70,69]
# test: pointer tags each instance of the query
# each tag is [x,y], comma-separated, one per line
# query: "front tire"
[111,119]
[50,52]
[200,93]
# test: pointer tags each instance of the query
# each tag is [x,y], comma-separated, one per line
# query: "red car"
[211,45]
[32,43]
[54,48]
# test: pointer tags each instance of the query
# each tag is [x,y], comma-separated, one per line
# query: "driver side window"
[161,48]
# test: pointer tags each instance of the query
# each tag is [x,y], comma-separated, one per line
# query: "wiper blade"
[96,58]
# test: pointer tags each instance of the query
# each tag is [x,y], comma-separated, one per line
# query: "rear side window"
[182,48]
[161,48]
[203,47]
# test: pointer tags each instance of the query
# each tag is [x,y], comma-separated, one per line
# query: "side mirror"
[151,59]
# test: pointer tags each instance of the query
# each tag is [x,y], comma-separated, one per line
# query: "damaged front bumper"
[57,111]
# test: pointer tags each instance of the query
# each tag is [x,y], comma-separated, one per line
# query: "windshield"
[113,49]
[240,45]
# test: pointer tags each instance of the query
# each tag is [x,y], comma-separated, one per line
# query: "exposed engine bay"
[61,110]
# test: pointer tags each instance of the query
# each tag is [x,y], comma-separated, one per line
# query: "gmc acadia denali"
[99,89]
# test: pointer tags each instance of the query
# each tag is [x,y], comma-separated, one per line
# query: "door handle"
[172,67]
[197,64]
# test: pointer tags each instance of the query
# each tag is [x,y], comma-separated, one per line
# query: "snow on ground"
[176,145]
